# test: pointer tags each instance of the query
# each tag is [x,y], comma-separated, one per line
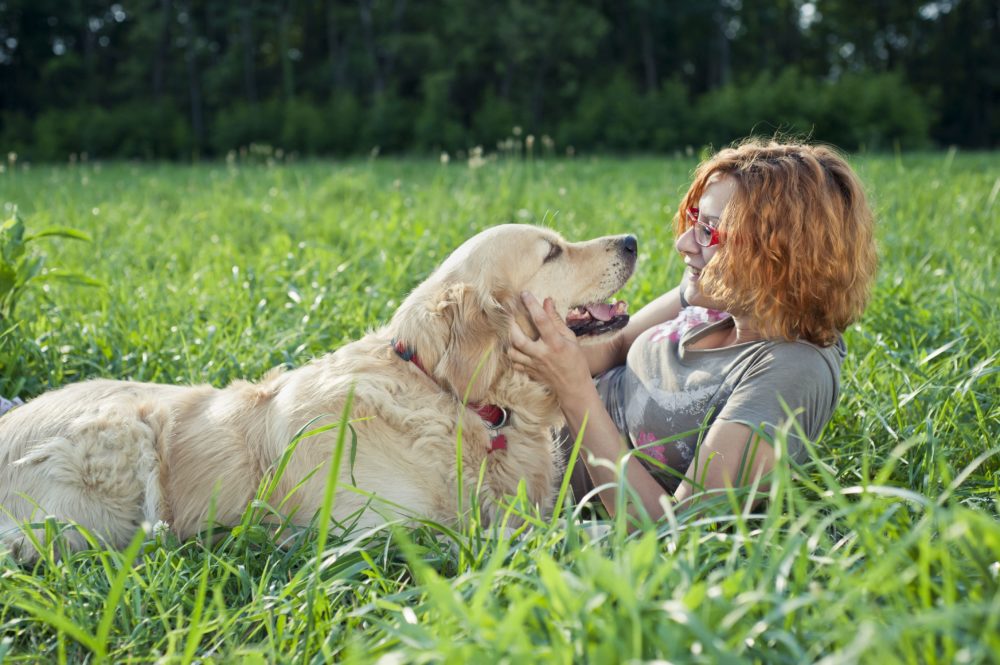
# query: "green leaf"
[29,268]
[12,239]
[8,278]
[59,232]
[70,277]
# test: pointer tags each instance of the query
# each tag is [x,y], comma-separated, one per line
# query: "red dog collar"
[494,416]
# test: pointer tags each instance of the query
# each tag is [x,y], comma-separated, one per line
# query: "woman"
[779,236]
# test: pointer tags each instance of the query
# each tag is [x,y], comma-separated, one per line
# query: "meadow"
[886,549]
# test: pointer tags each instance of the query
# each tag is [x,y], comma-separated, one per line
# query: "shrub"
[16,133]
[437,125]
[669,115]
[299,124]
[57,134]
[605,116]
[146,130]
[242,124]
[617,116]
[390,124]
[343,118]
[493,121]
[139,129]
[302,127]
[787,103]
[858,110]
[874,112]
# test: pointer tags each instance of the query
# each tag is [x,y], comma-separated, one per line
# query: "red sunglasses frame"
[693,216]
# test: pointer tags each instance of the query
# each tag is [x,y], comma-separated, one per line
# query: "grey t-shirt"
[667,390]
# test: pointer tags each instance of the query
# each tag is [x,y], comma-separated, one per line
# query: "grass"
[886,550]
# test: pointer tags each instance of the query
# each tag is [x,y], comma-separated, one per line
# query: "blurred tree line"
[182,78]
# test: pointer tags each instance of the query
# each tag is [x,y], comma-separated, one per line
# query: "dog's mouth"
[597,318]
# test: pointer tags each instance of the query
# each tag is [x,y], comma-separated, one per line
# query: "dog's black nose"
[630,245]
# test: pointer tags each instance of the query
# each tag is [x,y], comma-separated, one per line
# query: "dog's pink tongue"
[601,312]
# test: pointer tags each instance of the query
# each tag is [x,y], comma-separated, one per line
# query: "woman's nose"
[685,243]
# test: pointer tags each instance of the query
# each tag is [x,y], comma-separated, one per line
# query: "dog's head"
[459,319]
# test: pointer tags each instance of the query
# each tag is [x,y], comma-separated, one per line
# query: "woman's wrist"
[576,405]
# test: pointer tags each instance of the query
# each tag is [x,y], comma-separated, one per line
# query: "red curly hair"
[799,251]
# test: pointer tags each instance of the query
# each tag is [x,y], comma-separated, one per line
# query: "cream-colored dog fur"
[111,455]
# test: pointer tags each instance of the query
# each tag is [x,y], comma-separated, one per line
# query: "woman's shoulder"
[800,359]
[835,353]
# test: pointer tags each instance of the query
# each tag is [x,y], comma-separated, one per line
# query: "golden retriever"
[114,455]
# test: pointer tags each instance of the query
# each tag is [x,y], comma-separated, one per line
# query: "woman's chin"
[694,297]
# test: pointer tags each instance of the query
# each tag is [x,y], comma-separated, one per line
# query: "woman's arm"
[557,360]
[730,455]
[606,446]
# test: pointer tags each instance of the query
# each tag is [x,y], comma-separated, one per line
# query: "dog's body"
[110,455]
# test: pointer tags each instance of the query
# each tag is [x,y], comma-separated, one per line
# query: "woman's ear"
[478,338]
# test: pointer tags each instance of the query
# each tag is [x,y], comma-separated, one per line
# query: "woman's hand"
[555,358]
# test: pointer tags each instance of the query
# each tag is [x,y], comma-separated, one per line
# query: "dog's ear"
[478,340]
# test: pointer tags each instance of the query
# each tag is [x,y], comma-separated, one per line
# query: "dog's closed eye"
[554,253]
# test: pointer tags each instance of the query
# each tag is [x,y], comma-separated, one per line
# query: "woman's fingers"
[555,357]
[519,357]
[518,338]
[538,314]
[523,363]
[557,322]
[550,325]
[554,353]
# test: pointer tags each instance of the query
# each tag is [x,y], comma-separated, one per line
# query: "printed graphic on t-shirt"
[667,394]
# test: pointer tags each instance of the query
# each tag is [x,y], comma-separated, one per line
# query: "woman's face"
[713,201]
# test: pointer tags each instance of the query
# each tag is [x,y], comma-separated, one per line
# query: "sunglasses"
[705,234]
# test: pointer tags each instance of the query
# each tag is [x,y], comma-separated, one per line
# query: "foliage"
[618,117]
[875,112]
[18,267]
[131,131]
[883,550]
[182,78]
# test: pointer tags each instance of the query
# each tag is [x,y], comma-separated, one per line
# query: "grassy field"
[886,551]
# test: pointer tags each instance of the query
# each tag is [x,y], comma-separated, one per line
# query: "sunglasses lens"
[703,234]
